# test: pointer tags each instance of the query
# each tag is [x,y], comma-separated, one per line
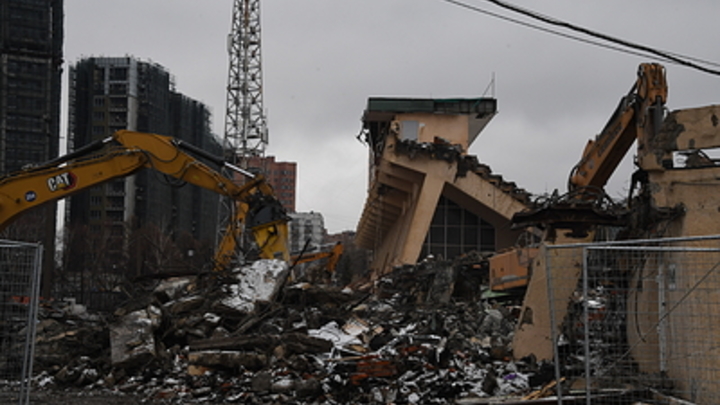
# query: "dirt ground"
[73,398]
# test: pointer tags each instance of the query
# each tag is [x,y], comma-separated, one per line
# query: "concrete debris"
[174,288]
[257,283]
[65,334]
[414,337]
[132,337]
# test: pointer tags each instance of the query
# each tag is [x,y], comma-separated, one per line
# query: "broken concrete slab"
[443,285]
[255,284]
[184,304]
[173,288]
[132,340]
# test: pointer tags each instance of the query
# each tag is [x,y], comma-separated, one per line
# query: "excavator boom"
[638,116]
[126,152]
[639,111]
[25,190]
[332,256]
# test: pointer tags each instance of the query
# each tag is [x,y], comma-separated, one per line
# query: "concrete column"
[420,218]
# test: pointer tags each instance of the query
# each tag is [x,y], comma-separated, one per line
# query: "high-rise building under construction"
[31,43]
[110,94]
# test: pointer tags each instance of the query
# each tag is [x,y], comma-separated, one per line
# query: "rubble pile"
[412,337]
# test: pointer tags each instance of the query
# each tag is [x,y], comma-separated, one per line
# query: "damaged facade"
[683,172]
[426,195]
[654,301]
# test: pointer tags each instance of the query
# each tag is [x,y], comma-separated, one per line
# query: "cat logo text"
[63,181]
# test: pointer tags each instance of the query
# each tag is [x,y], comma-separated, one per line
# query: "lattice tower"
[246,132]
[245,123]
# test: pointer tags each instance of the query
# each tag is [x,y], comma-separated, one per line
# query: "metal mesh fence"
[637,321]
[19,294]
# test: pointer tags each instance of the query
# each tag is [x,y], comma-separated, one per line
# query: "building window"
[116,187]
[118,118]
[118,88]
[115,216]
[118,102]
[116,202]
[455,231]
[118,73]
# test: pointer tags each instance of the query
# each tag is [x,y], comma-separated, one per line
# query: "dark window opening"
[455,231]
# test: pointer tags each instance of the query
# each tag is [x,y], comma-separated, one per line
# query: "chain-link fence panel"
[19,296]
[638,320]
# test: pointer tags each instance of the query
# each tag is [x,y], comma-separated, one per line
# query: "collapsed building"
[642,274]
[625,291]
[623,323]
[427,195]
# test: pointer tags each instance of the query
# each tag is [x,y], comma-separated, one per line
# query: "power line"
[586,31]
[547,30]
[636,49]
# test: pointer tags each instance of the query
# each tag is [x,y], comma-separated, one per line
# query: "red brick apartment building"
[282,176]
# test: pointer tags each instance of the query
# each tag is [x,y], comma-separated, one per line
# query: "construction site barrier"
[637,318]
[19,296]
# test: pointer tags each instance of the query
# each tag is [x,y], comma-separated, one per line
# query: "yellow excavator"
[126,152]
[333,256]
[637,117]
[579,216]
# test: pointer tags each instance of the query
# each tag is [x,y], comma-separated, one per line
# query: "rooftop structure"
[426,195]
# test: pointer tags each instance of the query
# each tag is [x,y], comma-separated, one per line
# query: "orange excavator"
[638,117]
[125,153]
[332,256]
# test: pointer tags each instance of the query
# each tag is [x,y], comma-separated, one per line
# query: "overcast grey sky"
[322,60]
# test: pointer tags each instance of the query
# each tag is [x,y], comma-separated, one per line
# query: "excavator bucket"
[272,239]
[269,225]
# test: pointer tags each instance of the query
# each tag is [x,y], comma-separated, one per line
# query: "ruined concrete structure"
[426,195]
[670,317]
[683,172]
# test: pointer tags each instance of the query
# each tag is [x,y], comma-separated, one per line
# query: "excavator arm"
[638,116]
[25,190]
[638,113]
[259,211]
[332,256]
[126,152]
